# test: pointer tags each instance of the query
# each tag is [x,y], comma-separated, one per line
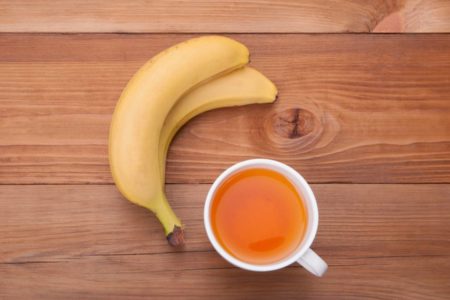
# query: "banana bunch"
[179,83]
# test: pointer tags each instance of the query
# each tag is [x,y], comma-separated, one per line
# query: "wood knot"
[293,123]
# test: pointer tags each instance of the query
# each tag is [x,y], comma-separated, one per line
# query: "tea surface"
[258,216]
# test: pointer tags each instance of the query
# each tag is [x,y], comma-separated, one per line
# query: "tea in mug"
[258,216]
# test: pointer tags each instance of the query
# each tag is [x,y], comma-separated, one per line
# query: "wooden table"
[364,117]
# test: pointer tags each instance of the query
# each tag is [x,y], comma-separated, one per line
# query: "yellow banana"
[240,87]
[142,108]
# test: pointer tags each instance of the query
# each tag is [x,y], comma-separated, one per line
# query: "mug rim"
[299,181]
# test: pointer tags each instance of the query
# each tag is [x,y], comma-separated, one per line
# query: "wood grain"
[351,108]
[230,16]
[381,241]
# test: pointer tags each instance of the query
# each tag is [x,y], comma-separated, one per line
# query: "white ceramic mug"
[303,254]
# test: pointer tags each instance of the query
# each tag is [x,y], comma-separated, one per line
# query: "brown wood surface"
[387,241]
[351,108]
[225,16]
[364,117]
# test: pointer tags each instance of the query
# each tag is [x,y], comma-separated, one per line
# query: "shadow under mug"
[303,254]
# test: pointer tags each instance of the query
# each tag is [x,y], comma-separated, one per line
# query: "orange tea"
[258,217]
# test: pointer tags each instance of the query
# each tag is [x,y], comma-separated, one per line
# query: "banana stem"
[170,222]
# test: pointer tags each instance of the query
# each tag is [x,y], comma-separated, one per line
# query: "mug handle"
[313,263]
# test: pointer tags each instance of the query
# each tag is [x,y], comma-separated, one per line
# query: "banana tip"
[176,237]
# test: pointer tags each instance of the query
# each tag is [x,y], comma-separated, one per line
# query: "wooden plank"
[294,16]
[371,108]
[131,277]
[381,241]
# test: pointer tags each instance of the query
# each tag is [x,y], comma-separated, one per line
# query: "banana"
[142,108]
[240,87]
